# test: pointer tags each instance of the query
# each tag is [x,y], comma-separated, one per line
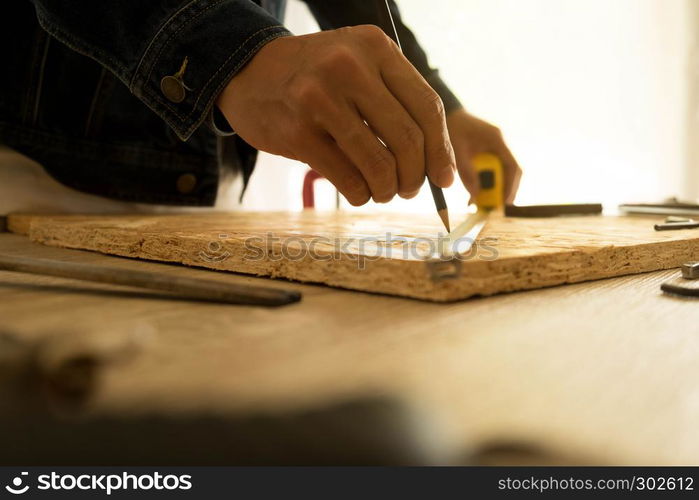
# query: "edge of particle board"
[18,224]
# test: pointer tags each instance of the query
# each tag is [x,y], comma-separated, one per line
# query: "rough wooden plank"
[379,253]
[19,224]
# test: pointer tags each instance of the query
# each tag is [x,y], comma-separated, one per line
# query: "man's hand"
[350,105]
[470,136]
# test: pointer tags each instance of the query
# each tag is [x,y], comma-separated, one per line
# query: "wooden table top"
[605,371]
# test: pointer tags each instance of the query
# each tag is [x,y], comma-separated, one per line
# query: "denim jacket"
[115,97]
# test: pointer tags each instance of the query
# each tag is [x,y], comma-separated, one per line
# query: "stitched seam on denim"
[194,106]
[231,57]
[198,122]
[169,38]
[40,81]
[30,91]
[93,104]
[78,47]
[170,20]
[153,95]
[225,80]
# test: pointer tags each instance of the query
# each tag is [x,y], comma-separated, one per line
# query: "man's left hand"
[469,136]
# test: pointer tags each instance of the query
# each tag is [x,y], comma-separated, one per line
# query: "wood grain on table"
[606,370]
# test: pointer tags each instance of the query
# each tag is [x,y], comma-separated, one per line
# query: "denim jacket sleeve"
[174,55]
[332,14]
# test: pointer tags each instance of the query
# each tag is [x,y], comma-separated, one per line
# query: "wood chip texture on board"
[383,253]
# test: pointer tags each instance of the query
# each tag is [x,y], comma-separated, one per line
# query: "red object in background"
[309,199]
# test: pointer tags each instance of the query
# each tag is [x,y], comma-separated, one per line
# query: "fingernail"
[409,195]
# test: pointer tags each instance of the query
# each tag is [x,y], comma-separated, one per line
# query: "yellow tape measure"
[489,170]
[490,197]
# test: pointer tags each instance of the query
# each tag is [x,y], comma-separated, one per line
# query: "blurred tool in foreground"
[180,287]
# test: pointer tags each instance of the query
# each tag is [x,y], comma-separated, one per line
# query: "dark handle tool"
[553,210]
[669,226]
[690,272]
[676,289]
[187,288]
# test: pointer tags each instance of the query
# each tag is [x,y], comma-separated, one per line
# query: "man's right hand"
[332,100]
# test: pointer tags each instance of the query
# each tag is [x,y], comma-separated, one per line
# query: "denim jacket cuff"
[195,54]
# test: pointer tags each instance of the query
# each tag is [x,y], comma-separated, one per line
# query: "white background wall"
[592,95]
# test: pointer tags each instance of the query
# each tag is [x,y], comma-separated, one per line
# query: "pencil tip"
[444,215]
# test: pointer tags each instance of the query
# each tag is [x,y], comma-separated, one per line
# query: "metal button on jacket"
[173,87]
[186,183]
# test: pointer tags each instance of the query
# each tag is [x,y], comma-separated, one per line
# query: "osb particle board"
[382,253]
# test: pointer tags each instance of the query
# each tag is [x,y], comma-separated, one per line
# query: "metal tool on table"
[389,27]
[183,287]
[674,223]
[690,270]
[678,213]
[672,207]
[690,276]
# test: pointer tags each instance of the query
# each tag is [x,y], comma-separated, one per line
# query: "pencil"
[389,28]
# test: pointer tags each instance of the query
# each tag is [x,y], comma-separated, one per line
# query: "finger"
[467,172]
[375,162]
[468,177]
[339,118]
[323,155]
[513,173]
[427,110]
[396,128]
